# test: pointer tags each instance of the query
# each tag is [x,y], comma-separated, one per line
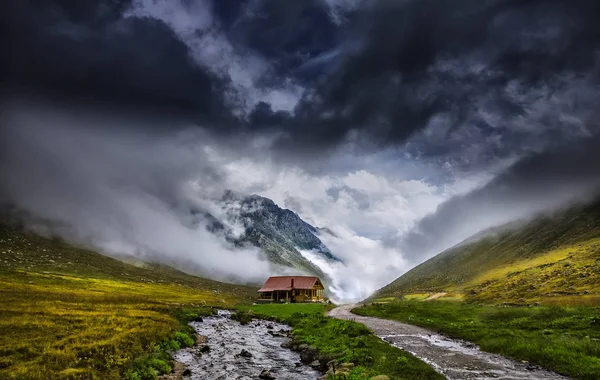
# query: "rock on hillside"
[279,232]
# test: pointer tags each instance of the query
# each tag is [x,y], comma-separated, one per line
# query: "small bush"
[242,317]
[183,339]
[160,365]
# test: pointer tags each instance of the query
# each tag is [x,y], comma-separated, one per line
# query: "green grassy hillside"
[554,258]
[69,313]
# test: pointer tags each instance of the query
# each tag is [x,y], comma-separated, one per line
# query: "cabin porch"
[296,295]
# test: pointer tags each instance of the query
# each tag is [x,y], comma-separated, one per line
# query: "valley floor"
[562,339]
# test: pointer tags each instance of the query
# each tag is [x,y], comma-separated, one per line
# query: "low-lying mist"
[137,187]
[101,181]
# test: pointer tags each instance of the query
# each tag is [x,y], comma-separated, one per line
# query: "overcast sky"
[402,126]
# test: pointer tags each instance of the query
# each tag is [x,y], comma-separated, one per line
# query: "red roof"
[285,283]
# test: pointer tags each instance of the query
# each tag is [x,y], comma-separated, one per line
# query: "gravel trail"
[454,359]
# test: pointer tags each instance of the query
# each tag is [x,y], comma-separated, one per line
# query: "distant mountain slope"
[24,251]
[280,233]
[553,255]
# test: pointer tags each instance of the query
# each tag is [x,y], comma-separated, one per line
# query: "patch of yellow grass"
[384,299]
[454,297]
[56,326]
[548,258]
[567,275]
[417,296]
[69,313]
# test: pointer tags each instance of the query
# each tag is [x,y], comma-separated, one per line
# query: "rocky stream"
[230,350]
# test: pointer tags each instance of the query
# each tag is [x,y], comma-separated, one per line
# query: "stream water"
[260,340]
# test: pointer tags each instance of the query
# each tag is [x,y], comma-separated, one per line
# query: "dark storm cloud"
[418,60]
[535,184]
[86,50]
[290,34]
[470,72]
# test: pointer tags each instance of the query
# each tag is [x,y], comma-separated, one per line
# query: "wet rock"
[324,361]
[245,354]
[270,327]
[266,375]
[201,339]
[308,354]
[177,373]
[302,347]
[347,365]
[204,348]
[337,373]
[288,344]
[315,364]
[187,372]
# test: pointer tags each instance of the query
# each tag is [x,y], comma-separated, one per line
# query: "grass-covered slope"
[69,313]
[553,258]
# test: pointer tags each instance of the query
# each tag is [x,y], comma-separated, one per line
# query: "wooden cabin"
[292,289]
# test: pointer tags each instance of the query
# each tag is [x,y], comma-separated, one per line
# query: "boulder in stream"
[308,354]
[245,354]
[266,375]
[204,348]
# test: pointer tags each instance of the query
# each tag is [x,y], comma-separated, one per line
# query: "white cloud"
[122,190]
[363,209]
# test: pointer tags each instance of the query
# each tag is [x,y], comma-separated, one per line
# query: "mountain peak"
[279,232]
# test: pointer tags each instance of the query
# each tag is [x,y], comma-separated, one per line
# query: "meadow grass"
[564,339]
[349,342]
[68,313]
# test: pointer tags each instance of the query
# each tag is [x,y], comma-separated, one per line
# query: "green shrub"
[242,317]
[160,365]
[183,339]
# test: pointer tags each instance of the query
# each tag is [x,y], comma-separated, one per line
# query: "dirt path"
[434,296]
[452,358]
